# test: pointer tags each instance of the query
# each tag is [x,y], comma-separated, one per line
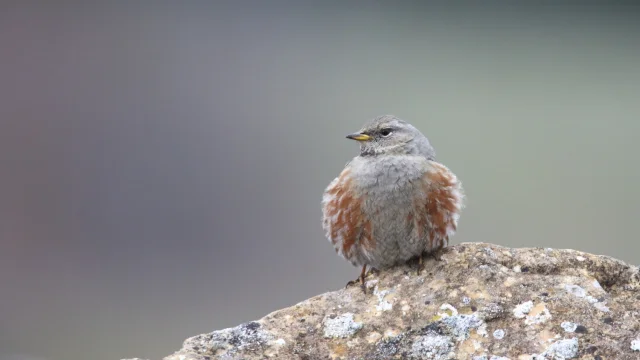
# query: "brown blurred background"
[162,164]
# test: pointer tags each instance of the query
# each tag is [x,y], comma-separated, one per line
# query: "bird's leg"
[360,278]
[420,264]
[363,274]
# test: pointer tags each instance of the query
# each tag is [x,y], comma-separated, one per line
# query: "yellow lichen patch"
[510,281]
[539,314]
[468,348]
[373,337]
[353,342]
[473,334]
[465,310]
[476,291]
[438,284]
[546,336]
[538,309]
[338,350]
[392,333]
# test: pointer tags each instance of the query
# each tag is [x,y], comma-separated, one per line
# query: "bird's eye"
[385,132]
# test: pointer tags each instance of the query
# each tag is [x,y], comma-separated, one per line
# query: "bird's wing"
[343,220]
[438,207]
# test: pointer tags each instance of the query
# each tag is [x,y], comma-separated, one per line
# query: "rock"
[479,301]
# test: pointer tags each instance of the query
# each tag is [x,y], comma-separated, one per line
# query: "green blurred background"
[162,164]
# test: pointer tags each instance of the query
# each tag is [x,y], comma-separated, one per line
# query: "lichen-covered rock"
[478,301]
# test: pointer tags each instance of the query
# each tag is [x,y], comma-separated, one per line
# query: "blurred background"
[162,165]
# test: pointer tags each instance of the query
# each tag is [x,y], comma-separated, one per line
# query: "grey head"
[388,135]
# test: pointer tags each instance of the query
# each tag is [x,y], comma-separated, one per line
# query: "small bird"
[393,202]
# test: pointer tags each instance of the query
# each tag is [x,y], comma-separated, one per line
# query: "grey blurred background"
[162,165]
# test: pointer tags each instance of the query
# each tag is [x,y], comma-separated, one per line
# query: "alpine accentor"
[393,202]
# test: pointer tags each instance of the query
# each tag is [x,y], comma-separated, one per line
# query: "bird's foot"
[351,283]
[373,271]
[437,254]
[356,281]
[360,279]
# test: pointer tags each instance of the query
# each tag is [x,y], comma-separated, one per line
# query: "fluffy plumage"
[393,202]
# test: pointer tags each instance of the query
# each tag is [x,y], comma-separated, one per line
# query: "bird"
[392,202]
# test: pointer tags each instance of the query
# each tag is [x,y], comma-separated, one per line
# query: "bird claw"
[351,283]
[356,281]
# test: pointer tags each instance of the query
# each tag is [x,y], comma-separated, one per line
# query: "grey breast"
[388,185]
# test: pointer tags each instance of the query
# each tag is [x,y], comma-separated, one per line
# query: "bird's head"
[388,135]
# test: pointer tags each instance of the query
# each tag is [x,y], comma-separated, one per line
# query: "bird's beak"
[359,137]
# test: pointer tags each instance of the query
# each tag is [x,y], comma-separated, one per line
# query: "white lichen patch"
[482,329]
[392,333]
[560,350]
[460,326]
[569,326]
[490,252]
[341,326]
[279,342]
[383,305]
[580,258]
[433,347]
[582,293]
[575,290]
[591,299]
[498,334]
[601,306]
[635,344]
[493,357]
[448,311]
[578,291]
[246,336]
[521,310]
[596,285]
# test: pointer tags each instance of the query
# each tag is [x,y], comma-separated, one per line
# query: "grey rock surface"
[479,301]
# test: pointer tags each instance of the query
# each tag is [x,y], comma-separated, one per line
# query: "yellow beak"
[359,137]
